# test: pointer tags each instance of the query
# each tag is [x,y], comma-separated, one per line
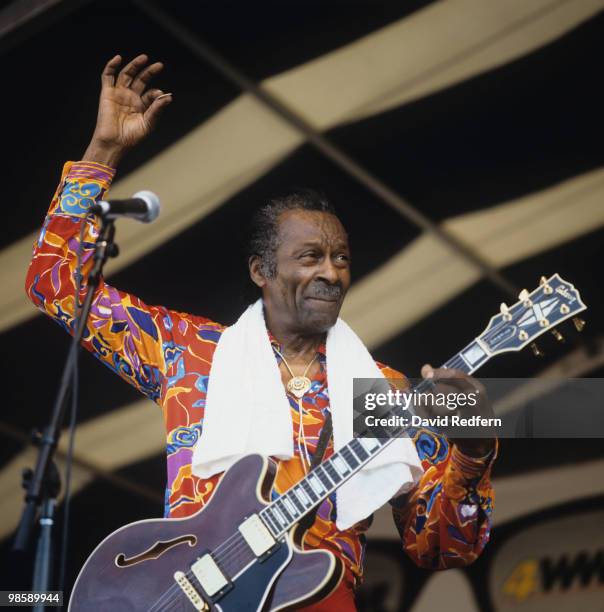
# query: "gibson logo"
[564,292]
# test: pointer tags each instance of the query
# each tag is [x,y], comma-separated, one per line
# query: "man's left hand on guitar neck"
[451,380]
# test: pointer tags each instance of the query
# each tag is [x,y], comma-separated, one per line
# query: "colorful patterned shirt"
[444,522]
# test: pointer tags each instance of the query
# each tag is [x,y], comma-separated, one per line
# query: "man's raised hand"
[128,111]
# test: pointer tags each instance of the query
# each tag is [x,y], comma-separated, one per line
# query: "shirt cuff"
[82,184]
[91,171]
[464,475]
[471,467]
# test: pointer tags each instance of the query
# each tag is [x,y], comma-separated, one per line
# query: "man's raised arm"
[123,332]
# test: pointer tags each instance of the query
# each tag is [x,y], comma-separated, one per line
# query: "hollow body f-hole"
[155,551]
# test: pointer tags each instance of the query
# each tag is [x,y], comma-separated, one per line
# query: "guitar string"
[223,560]
[173,590]
[228,552]
[226,560]
[176,590]
[234,554]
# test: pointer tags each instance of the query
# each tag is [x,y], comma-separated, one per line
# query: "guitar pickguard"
[155,551]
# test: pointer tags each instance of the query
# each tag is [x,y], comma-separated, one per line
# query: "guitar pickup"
[210,576]
[257,535]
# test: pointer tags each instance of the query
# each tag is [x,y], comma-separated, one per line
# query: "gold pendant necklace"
[297,385]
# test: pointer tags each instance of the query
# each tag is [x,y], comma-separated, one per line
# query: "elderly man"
[299,260]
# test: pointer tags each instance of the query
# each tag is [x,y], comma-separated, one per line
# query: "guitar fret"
[287,503]
[284,510]
[309,491]
[351,460]
[471,357]
[292,496]
[340,465]
[328,475]
[333,474]
[316,484]
[359,451]
[279,515]
[371,445]
[268,518]
[323,477]
[302,496]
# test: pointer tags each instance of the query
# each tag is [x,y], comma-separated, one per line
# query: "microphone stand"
[43,484]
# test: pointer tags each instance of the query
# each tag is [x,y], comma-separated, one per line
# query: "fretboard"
[317,485]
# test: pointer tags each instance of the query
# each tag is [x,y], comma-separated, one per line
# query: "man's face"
[313,272]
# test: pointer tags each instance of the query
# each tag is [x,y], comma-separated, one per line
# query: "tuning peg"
[557,335]
[523,296]
[547,289]
[536,350]
[505,311]
[579,323]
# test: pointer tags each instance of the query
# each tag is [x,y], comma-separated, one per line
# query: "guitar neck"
[552,302]
[284,512]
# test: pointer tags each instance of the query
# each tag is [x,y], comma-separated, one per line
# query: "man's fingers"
[110,70]
[153,112]
[144,77]
[444,373]
[130,70]
[151,95]
[427,371]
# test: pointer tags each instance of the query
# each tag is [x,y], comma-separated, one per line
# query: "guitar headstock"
[553,301]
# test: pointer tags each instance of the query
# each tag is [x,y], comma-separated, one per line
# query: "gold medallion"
[298,386]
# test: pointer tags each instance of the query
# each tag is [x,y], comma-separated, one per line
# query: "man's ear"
[255,268]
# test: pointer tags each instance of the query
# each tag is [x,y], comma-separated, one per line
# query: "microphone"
[142,206]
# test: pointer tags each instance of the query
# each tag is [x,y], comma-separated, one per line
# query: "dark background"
[518,128]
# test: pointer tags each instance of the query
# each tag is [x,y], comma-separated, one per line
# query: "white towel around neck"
[247,411]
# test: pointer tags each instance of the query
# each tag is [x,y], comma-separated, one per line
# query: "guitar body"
[133,568]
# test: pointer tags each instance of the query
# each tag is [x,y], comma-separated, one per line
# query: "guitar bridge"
[189,590]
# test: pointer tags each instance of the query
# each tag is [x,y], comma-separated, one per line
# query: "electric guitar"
[242,552]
